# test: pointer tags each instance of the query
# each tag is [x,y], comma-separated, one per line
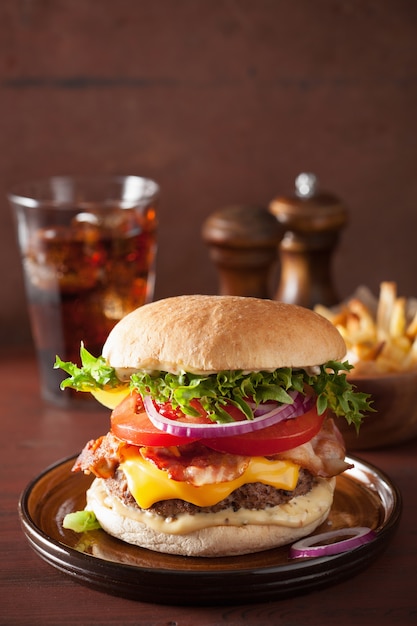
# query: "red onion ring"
[264,407]
[279,413]
[353,538]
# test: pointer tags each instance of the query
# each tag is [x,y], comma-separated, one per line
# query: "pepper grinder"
[312,221]
[243,244]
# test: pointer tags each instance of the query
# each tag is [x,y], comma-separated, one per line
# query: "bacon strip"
[324,455]
[196,464]
[100,457]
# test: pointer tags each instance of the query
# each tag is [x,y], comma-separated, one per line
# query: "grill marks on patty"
[255,496]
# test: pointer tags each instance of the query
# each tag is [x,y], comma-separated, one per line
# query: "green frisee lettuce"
[81,521]
[214,391]
[94,374]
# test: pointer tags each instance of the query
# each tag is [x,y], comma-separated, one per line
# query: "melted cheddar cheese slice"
[111,398]
[148,484]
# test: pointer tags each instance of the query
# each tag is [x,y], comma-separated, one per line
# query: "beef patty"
[250,496]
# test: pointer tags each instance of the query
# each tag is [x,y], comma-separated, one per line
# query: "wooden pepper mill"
[312,221]
[243,243]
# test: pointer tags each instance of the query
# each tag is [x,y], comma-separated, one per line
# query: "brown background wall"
[221,101]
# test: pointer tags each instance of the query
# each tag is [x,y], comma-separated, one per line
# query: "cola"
[82,278]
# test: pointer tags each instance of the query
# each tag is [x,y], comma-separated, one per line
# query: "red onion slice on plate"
[350,538]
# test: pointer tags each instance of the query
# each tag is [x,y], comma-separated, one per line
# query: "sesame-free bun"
[294,520]
[205,334]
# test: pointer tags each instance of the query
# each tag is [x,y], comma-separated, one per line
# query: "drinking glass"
[88,247]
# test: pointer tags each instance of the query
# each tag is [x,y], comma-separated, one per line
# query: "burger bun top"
[204,334]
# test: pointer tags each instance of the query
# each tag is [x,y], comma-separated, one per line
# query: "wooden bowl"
[395,421]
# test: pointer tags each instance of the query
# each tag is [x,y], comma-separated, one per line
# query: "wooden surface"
[32,592]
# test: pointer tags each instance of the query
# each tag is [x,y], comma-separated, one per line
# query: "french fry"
[335,317]
[360,323]
[412,356]
[411,330]
[380,334]
[397,323]
[387,296]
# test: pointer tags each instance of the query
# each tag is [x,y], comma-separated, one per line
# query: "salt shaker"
[312,221]
[243,244]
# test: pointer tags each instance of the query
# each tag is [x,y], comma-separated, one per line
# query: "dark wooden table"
[33,436]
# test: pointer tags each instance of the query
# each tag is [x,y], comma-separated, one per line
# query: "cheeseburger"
[220,443]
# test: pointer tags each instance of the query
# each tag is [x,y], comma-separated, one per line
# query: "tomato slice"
[273,439]
[130,422]
[178,416]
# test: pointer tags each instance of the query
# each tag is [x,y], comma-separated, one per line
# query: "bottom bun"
[135,526]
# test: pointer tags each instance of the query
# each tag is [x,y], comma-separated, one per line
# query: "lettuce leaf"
[336,393]
[214,391]
[81,521]
[217,390]
[93,374]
